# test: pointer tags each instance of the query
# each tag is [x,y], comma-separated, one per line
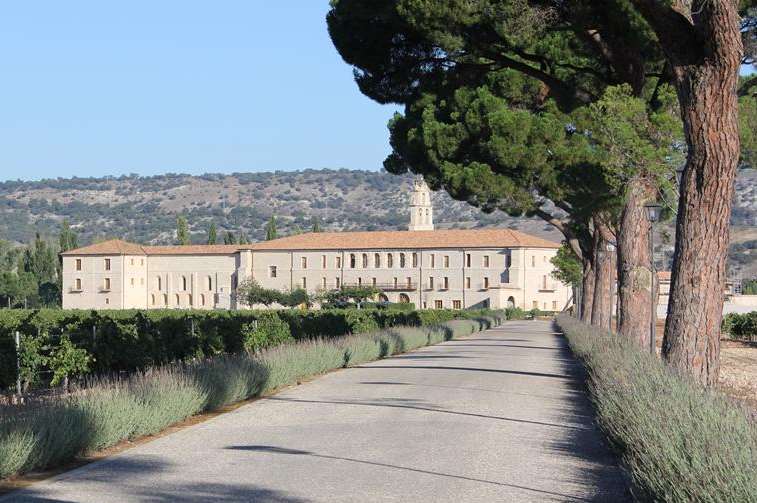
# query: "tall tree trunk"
[707,93]
[604,261]
[587,290]
[635,280]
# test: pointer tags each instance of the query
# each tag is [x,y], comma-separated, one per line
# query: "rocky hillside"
[144,209]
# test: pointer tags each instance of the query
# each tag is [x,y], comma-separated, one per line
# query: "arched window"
[352,261]
[159,282]
[184,283]
[377,260]
[389,260]
[210,283]
[511,302]
[202,299]
[178,300]
[190,300]
[404,298]
[152,299]
[383,298]
[402,260]
[365,260]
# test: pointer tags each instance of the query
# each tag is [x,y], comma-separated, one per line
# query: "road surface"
[499,416]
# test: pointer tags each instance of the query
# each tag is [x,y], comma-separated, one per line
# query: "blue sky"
[92,88]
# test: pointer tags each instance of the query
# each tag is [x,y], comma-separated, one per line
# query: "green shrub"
[679,441]
[268,330]
[108,411]
[740,326]
[515,313]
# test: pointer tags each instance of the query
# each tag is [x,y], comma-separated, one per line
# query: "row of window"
[444,283]
[184,283]
[158,283]
[107,263]
[364,261]
[163,299]
[535,305]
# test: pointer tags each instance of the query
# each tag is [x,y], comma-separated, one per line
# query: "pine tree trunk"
[604,260]
[635,280]
[707,94]
[587,291]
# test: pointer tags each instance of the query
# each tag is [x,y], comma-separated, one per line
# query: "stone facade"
[453,269]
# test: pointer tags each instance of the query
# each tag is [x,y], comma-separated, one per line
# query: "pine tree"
[182,230]
[270,229]
[243,239]
[317,225]
[229,238]
[212,234]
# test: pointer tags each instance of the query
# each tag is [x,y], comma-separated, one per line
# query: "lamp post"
[653,215]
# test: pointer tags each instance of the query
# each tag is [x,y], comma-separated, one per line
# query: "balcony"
[388,287]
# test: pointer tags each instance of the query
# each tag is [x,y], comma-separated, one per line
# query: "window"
[210,283]
[456,304]
[165,299]
[508,259]
[78,284]
[431,282]
[554,305]
[425,305]
[78,264]
[486,282]
[544,282]
[376,260]
[353,262]
[159,283]
[131,281]
[202,299]
[304,282]
[446,283]
[131,262]
[191,300]
[272,271]
[107,301]
[106,285]
[323,261]
[395,282]
[389,260]
[533,262]
[486,260]
[446,261]
[141,261]
[415,260]
[360,282]
[152,299]
[107,264]
[373,281]
[184,283]
[178,299]
[535,305]
[402,260]
[339,262]
[467,260]
[438,304]
[304,262]
[545,306]
[467,282]
[433,260]
[544,258]
[409,282]
[338,283]
[323,283]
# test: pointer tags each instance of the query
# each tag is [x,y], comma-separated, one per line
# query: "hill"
[144,209]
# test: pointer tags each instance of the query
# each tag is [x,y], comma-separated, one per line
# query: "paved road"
[499,416]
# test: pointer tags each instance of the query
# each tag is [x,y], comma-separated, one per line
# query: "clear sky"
[93,88]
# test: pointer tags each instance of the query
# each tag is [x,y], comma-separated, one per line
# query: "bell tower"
[421,211]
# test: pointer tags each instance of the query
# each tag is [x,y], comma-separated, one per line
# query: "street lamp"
[653,215]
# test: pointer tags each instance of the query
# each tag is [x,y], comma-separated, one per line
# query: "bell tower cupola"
[421,211]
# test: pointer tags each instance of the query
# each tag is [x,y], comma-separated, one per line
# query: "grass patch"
[679,441]
[107,411]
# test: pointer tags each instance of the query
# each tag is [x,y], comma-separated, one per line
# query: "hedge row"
[741,326]
[679,441]
[112,410]
[124,340]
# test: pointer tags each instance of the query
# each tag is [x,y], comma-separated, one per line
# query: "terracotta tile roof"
[462,238]
[453,238]
[110,247]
